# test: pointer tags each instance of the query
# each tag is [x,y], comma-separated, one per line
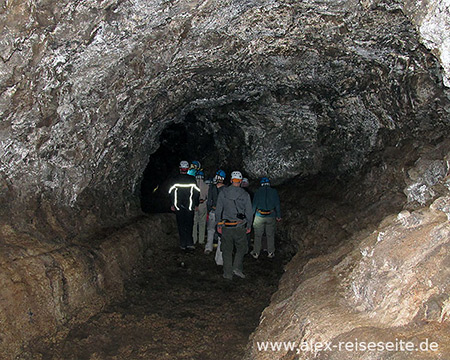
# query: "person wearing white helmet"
[234,217]
[185,198]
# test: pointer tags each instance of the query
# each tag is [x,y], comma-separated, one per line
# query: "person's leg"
[180,225]
[270,234]
[258,226]
[189,227]
[240,241]
[195,227]
[226,245]
[201,225]
[211,231]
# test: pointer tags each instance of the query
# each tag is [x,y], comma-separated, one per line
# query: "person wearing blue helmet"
[266,206]
[198,233]
[213,193]
[196,165]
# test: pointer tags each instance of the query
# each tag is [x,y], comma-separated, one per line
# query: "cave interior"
[343,105]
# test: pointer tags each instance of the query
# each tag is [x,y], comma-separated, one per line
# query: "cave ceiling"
[289,88]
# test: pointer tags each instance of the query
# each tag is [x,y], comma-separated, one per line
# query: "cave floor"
[179,307]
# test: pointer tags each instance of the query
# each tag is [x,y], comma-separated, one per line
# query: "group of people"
[209,206]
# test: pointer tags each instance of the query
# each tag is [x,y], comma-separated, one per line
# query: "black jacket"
[184,193]
[213,194]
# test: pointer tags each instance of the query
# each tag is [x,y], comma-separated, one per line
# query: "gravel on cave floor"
[179,307]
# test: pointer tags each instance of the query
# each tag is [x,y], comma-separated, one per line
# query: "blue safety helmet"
[200,174]
[192,172]
[220,175]
[264,181]
[196,164]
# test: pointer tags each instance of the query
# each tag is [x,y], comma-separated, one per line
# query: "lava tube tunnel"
[339,110]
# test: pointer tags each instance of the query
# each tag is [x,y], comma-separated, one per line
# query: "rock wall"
[361,276]
[288,88]
[432,20]
[45,290]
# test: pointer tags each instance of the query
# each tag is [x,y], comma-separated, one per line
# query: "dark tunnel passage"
[217,144]
[344,105]
[188,141]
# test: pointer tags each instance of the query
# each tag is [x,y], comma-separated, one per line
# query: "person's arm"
[255,200]
[248,213]
[172,191]
[204,193]
[219,207]
[219,210]
[277,206]
[209,199]
[196,197]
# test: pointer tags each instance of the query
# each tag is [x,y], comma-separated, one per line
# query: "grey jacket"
[233,200]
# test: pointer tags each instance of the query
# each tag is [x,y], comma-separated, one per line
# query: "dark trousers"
[233,238]
[185,222]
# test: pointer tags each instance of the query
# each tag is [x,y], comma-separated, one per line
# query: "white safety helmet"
[184,164]
[236,175]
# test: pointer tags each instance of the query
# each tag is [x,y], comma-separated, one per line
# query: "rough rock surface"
[286,88]
[44,290]
[370,278]
[178,308]
[432,19]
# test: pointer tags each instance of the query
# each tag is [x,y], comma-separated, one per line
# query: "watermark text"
[398,345]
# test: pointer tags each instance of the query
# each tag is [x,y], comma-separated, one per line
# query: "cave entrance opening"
[188,140]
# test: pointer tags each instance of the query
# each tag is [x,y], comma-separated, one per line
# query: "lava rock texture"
[362,277]
[287,88]
[44,291]
[284,88]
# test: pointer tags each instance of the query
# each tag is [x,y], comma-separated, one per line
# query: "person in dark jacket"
[234,219]
[185,198]
[266,206]
[245,185]
[213,193]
